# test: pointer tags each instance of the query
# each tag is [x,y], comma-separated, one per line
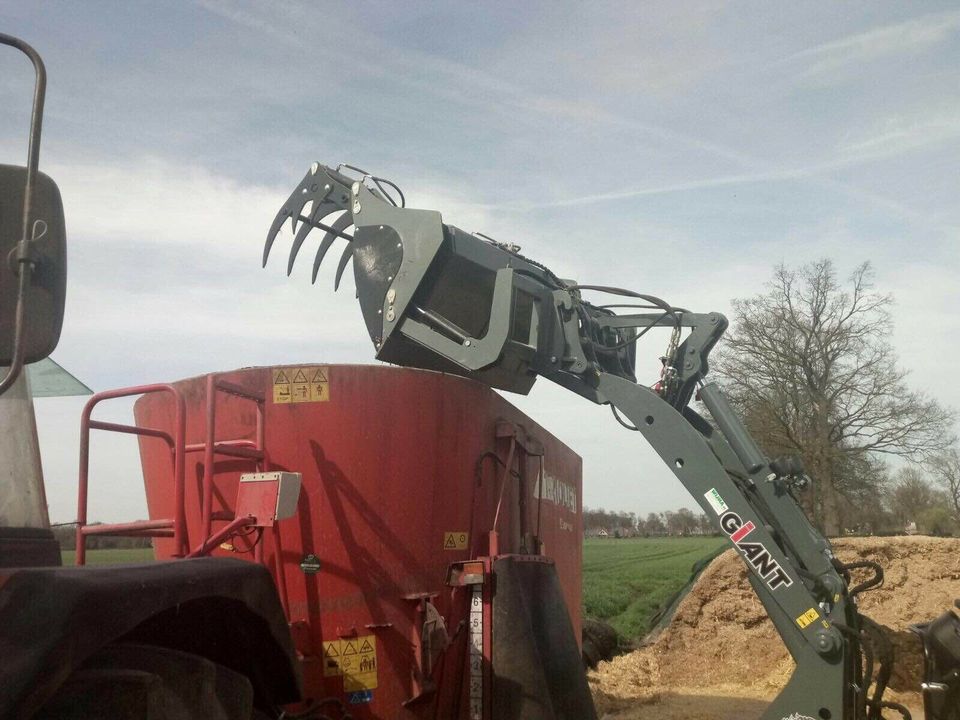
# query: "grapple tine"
[344,259]
[324,246]
[339,225]
[278,221]
[295,216]
[327,189]
[320,210]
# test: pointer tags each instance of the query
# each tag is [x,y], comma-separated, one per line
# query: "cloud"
[913,35]
[901,134]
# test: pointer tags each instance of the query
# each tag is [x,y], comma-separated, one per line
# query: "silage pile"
[721,658]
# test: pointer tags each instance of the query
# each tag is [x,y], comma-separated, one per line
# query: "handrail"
[177,443]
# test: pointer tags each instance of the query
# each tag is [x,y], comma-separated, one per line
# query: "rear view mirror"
[46,291]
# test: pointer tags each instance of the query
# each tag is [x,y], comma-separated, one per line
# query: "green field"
[626,581]
[111,557]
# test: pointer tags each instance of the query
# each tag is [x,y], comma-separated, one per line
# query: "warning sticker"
[331,658]
[359,697]
[808,618]
[281,387]
[320,385]
[358,661]
[302,384]
[456,540]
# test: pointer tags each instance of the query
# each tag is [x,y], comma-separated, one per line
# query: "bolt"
[553,358]
[390,278]
[355,187]
[380,228]
[314,168]
[356,207]
[390,315]
[326,188]
[391,295]
[399,245]
[826,641]
[466,343]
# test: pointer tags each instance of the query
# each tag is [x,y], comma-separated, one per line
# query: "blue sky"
[682,149]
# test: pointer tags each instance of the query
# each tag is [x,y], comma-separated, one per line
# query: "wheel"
[127,681]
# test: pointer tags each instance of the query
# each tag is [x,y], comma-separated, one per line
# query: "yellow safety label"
[456,540]
[331,658]
[301,384]
[809,617]
[358,663]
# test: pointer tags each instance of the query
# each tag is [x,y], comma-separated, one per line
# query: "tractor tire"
[127,681]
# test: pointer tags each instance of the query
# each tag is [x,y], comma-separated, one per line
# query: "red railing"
[233,448]
[174,527]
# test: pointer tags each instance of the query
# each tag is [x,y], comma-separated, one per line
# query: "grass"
[110,557]
[626,581]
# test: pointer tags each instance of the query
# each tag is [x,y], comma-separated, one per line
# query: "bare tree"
[654,524]
[945,469]
[811,368]
[910,497]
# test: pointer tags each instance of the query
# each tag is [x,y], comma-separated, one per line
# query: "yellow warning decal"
[331,658]
[810,616]
[358,663]
[456,540]
[301,384]
[281,386]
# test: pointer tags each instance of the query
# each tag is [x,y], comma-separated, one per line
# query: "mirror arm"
[23,255]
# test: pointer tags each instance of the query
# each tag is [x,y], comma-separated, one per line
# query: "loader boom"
[436,297]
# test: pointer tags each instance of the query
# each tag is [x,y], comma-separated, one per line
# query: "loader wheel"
[127,681]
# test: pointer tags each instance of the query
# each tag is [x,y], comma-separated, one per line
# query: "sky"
[680,149]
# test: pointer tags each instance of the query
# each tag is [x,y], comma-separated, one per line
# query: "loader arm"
[436,297]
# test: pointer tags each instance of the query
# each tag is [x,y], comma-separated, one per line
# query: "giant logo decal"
[755,552]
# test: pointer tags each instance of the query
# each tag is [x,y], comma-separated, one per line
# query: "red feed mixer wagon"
[423,534]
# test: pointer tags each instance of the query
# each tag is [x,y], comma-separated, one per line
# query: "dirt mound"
[721,650]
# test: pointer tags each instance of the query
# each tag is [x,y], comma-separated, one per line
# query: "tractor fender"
[52,619]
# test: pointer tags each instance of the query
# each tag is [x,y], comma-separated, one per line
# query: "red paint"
[747,528]
[389,464]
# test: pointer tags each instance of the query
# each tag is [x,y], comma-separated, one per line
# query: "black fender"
[52,619]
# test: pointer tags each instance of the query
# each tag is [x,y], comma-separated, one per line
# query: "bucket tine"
[344,259]
[272,232]
[336,230]
[320,210]
[327,189]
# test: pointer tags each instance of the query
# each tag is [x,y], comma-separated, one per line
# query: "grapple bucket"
[436,297]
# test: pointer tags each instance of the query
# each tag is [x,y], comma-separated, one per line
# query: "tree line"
[66,535]
[627,524]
